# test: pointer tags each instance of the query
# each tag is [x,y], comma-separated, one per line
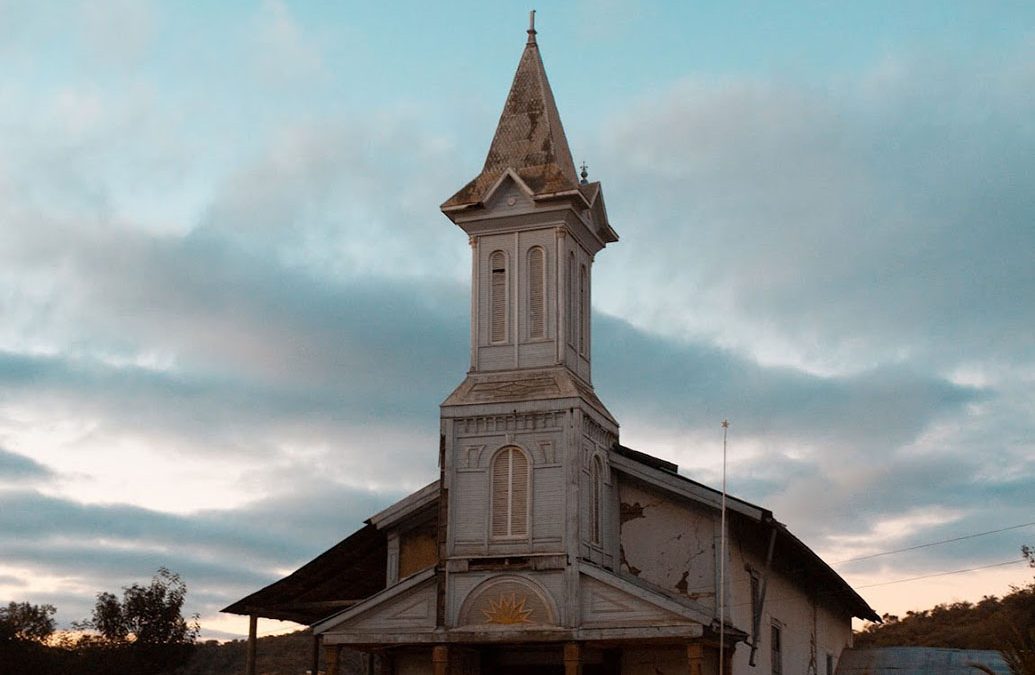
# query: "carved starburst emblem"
[507,610]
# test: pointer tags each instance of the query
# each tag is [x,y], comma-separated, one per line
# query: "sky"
[230,305]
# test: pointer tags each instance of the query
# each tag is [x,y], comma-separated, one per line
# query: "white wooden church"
[546,546]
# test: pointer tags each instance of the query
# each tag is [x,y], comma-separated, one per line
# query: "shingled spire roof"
[529,138]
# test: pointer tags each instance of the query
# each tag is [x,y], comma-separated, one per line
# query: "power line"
[942,574]
[934,543]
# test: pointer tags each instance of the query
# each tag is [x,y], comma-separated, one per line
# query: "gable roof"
[529,139]
[792,556]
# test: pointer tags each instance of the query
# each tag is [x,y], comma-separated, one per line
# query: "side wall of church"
[803,619]
[668,542]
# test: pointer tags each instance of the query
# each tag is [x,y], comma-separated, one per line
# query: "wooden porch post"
[695,658]
[331,654]
[572,658]
[440,659]
[249,659]
[314,660]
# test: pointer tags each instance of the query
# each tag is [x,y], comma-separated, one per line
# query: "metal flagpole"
[722,558]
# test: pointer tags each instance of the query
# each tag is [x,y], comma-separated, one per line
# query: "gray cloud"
[221,554]
[877,229]
[15,467]
[881,219]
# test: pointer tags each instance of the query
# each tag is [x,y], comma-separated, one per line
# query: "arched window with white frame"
[536,292]
[498,297]
[510,493]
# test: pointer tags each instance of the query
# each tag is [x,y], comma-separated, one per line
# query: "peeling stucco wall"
[667,542]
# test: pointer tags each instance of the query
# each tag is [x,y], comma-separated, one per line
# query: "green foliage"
[1006,624]
[1019,634]
[144,631]
[23,621]
[146,615]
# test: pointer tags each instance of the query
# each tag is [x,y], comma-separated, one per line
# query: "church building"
[546,546]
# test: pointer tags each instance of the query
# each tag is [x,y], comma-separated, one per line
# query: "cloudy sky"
[230,306]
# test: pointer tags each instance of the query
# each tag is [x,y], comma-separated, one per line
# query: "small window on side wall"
[776,646]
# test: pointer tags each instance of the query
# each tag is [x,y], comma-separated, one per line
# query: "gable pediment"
[608,601]
[407,606]
[509,193]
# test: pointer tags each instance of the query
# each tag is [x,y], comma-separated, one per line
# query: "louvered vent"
[501,494]
[510,494]
[518,493]
[596,478]
[583,311]
[572,331]
[498,299]
[536,293]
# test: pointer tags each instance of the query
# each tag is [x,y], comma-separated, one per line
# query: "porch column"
[249,658]
[695,659]
[331,653]
[314,657]
[573,658]
[440,659]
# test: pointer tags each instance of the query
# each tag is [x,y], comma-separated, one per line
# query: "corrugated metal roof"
[920,661]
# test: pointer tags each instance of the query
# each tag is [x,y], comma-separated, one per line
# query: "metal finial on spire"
[584,174]
[531,27]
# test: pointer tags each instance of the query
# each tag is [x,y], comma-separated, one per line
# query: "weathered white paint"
[668,542]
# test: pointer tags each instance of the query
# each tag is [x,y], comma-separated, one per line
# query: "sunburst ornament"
[507,610]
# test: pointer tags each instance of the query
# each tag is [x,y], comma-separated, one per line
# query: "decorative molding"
[472,457]
[547,453]
[501,424]
[510,600]
[508,610]
[529,388]
[598,434]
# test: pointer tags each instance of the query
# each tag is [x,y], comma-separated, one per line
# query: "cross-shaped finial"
[725,424]
[585,173]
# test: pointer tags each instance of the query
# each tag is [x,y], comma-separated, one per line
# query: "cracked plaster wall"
[668,543]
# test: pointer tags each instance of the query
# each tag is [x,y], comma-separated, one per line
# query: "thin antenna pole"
[722,558]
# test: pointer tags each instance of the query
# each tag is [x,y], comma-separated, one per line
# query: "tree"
[146,615]
[1019,631]
[23,621]
[146,629]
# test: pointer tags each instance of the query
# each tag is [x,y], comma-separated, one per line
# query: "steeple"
[529,137]
[535,231]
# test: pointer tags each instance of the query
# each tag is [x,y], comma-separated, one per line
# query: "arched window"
[536,292]
[572,298]
[510,493]
[498,297]
[597,478]
[583,310]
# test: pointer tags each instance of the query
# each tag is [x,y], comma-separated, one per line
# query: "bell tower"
[525,439]
[534,229]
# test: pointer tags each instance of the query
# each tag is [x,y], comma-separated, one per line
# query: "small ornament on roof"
[584,174]
[531,27]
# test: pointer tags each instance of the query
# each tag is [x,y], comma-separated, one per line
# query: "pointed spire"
[529,137]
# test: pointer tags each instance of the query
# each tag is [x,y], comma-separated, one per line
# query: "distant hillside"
[278,655]
[1006,624]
